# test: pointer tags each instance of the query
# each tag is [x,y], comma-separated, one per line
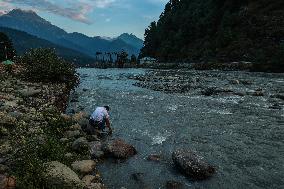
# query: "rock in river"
[118,149]
[192,165]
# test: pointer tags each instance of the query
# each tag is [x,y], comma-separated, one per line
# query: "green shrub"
[43,65]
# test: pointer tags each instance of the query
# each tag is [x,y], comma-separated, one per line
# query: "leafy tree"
[43,65]
[7,50]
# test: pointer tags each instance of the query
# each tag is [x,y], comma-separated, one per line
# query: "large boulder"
[96,149]
[192,165]
[29,92]
[59,175]
[80,145]
[84,167]
[118,149]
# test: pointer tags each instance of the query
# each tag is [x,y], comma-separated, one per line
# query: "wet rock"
[258,92]
[118,149]
[138,177]
[275,107]
[84,167]
[154,157]
[192,165]
[96,150]
[209,92]
[174,185]
[59,175]
[80,145]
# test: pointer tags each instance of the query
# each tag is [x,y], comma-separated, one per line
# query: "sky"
[108,18]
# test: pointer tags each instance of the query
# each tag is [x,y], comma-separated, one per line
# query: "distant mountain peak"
[26,14]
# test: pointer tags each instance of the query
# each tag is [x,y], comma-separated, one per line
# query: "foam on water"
[158,139]
[222,112]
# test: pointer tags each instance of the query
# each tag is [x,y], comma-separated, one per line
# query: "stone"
[96,150]
[118,149]
[174,185]
[84,167]
[209,92]
[29,92]
[73,134]
[80,144]
[76,127]
[5,148]
[3,182]
[92,138]
[192,165]
[96,186]
[11,104]
[58,175]
[66,117]
[6,120]
[64,140]
[69,155]
[154,157]
[3,169]
[79,116]
[11,183]
[138,177]
[89,179]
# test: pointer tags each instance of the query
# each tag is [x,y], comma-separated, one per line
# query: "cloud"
[77,10]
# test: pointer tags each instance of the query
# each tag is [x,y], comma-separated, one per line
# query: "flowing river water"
[242,135]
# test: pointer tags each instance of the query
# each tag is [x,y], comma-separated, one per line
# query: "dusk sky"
[94,17]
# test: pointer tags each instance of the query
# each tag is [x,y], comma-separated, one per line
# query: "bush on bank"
[37,149]
[43,65]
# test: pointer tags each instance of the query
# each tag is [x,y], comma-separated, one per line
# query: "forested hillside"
[218,30]
[23,42]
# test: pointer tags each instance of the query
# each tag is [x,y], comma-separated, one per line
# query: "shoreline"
[33,121]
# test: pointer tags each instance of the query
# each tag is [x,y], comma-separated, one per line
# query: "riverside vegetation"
[37,141]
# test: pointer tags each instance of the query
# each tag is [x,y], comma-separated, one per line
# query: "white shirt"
[100,114]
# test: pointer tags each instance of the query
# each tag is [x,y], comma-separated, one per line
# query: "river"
[242,135]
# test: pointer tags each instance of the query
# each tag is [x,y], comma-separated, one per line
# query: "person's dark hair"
[107,108]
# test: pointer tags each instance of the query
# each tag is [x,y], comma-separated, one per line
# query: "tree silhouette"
[7,50]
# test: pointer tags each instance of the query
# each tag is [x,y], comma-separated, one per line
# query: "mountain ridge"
[31,23]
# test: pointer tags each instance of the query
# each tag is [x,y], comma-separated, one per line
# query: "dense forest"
[218,30]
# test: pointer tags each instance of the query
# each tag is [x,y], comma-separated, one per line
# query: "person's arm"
[108,125]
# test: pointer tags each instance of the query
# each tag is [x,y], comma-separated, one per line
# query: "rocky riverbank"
[40,146]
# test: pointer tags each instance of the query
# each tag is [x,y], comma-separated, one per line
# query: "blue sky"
[94,17]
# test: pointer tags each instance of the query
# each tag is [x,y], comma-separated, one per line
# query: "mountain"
[219,31]
[131,40]
[30,22]
[23,41]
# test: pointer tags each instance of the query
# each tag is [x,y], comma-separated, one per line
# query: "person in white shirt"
[100,118]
